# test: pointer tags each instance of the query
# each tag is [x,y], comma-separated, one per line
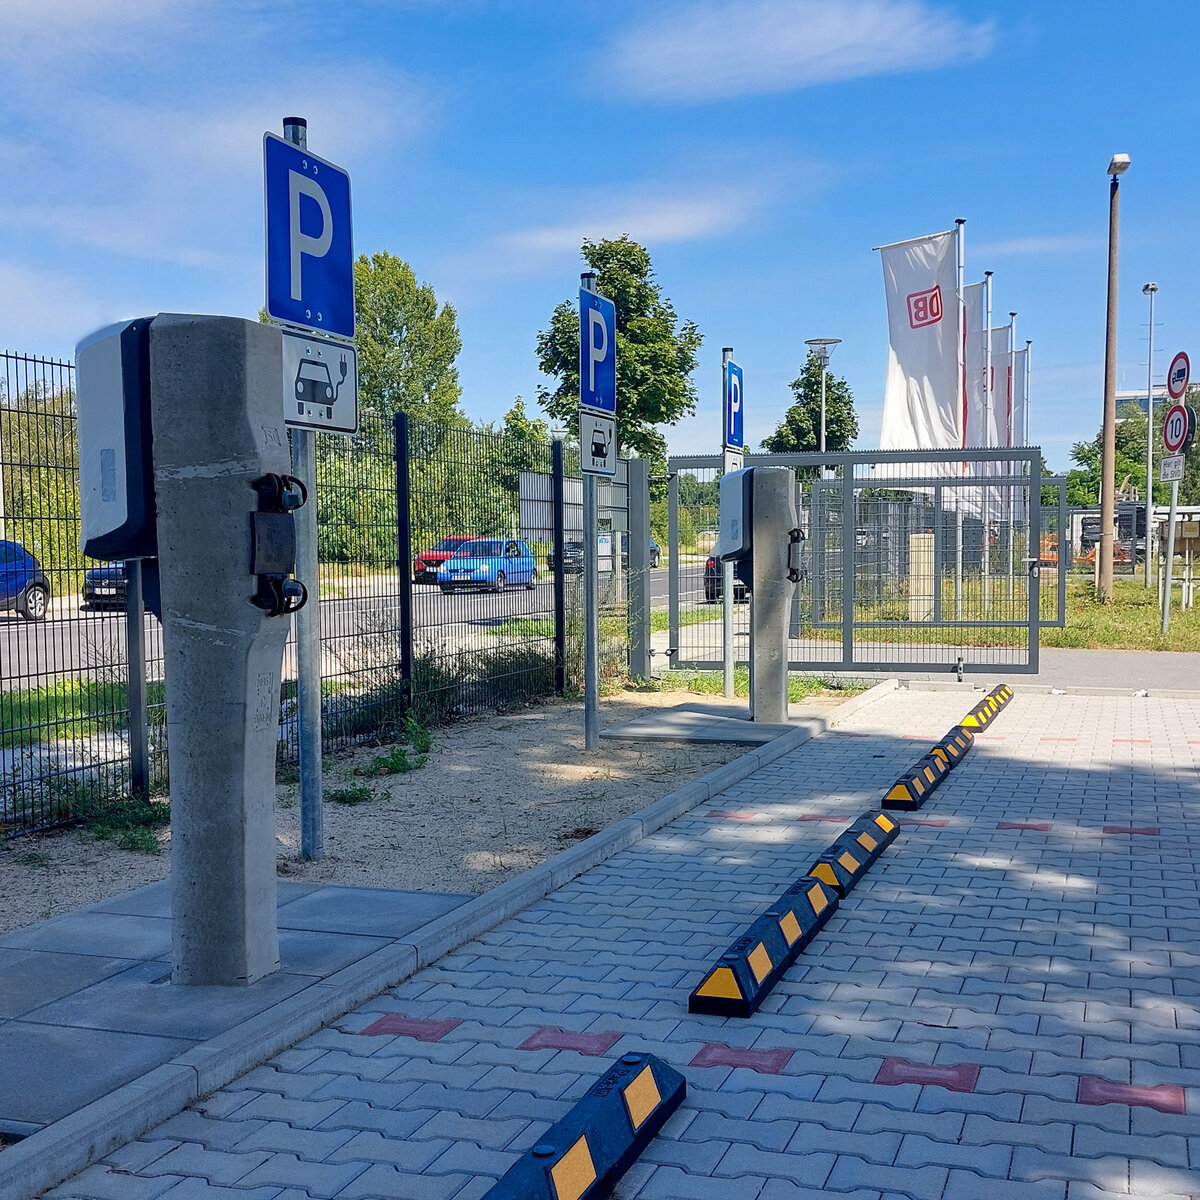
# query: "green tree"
[656,352]
[406,343]
[800,430]
[1083,481]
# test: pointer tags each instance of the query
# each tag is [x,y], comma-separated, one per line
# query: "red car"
[425,565]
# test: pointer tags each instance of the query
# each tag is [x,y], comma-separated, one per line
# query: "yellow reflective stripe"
[816,897]
[884,823]
[574,1173]
[760,962]
[642,1097]
[825,873]
[722,984]
[789,927]
[849,861]
[866,841]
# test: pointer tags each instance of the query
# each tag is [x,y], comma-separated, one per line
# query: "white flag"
[975,355]
[999,419]
[1020,400]
[922,396]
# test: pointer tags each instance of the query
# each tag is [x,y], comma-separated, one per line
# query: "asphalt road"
[71,640]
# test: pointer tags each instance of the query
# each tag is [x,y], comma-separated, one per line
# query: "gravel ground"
[498,795]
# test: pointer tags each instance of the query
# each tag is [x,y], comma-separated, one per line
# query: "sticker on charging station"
[320,384]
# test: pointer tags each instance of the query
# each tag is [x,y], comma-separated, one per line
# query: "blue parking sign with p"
[733,406]
[310,250]
[597,352]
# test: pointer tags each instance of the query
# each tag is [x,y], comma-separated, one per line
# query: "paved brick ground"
[1010,973]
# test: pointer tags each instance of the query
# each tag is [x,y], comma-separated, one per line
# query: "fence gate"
[913,561]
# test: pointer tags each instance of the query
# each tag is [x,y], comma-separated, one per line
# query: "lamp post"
[1149,290]
[1108,462]
[822,348]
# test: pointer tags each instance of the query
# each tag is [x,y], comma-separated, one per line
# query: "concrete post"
[218,426]
[774,516]
[639,567]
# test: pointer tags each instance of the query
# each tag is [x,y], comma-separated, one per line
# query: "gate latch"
[1034,567]
[795,545]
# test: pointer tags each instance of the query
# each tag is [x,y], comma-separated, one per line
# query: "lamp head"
[1150,289]
[822,348]
[1119,164]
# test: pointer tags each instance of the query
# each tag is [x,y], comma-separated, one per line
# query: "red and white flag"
[922,396]
[974,400]
[1020,400]
[999,421]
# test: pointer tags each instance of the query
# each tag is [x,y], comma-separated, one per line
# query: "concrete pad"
[142,1000]
[304,952]
[47,1072]
[376,912]
[721,721]
[106,935]
[154,899]
[32,978]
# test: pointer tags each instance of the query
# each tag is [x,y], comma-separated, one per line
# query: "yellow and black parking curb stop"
[915,785]
[952,749]
[583,1156]
[981,715]
[871,834]
[750,968]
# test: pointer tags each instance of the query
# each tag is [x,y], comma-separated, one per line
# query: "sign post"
[597,456]
[733,443]
[310,287]
[1179,427]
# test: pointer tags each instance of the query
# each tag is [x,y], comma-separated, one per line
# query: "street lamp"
[822,348]
[1149,290]
[1117,166]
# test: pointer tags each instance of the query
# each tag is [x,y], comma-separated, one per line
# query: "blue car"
[23,583]
[488,564]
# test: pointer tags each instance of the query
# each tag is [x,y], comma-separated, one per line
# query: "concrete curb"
[1046,689]
[62,1149]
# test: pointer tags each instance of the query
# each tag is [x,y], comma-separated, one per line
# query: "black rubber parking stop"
[587,1152]
[750,968]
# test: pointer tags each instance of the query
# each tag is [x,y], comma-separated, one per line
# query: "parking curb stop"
[917,784]
[583,1156]
[953,748]
[750,968]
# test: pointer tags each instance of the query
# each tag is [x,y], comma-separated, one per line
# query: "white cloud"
[1050,244]
[696,52]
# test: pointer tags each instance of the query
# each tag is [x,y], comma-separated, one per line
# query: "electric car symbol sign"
[320,383]
[310,251]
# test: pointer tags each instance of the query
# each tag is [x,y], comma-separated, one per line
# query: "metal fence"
[911,561]
[491,614]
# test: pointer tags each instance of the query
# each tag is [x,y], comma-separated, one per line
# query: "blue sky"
[759,149]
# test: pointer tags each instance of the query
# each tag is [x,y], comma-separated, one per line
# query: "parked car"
[425,565]
[572,559]
[104,587]
[488,564]
[712,584]
[23,583]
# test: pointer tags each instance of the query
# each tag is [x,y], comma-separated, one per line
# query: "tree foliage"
[407,345]
[800,430]
[1083,481]
[656,352]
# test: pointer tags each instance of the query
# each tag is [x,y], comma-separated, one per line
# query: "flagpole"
[960,246]
[1008,437]
[1025,422]
[988,400]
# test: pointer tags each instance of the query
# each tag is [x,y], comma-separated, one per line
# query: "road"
[71,640]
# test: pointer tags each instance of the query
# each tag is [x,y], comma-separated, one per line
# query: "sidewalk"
[1007,1007]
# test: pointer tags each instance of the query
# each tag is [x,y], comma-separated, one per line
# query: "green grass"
[1133,621]
[76,708]
[356,794]
[394,762]
[800,687]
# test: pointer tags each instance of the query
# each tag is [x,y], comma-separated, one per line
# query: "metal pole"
[989,399]
[308,619]
[591,591]
[1108,462]
[404,554]
[135,693]
[1008,466]
[558,502]
[960,255]
[1149,289]
[1169,569]
[958,563]
[824,371]
[727,651]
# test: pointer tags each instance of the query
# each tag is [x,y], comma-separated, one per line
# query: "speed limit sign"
[1179,427]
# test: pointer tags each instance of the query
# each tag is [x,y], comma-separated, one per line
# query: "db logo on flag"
[925,308]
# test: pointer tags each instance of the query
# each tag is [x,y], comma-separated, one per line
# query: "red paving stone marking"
[928,822]
[413,1027]
[550,1037]
[765,1062]
[1144,831]
[1166,1097]
[833,817]
[954,1079]
[1031,826]
[1132,741]
[733,816]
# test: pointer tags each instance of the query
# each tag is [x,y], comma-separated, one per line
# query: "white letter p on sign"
[596,353]
[301,244]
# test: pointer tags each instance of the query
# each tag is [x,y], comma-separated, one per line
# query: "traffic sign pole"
[1169,566]
[591,583]
[727,653]
[308,619]
[1179,427]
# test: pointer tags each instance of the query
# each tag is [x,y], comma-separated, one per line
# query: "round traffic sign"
[1178,427]
[1178,376]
